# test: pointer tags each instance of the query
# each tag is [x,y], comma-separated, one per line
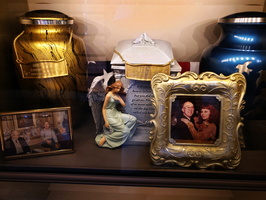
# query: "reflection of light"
[248,20]
[47,30]
[242,38]
[235,59]
[50,22]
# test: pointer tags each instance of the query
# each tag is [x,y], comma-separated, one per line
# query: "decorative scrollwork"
[199,87]
[195,154]
[230,122]
[225,151]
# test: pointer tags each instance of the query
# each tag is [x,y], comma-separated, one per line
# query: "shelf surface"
[130,165]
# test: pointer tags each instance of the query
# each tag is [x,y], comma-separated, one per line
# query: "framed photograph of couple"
[36,132]
[197,119]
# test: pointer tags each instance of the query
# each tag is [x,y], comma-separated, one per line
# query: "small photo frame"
[197,119]
[36,132]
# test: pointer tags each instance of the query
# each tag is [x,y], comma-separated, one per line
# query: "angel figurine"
[120,126]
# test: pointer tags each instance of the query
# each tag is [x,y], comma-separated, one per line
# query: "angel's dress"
[122,125]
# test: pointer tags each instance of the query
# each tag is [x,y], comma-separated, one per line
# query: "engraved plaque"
[44,69]
[138,103]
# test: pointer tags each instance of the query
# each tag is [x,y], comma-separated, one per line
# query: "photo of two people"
[195,119]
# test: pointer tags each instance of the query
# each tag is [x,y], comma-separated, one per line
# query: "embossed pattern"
[225,151]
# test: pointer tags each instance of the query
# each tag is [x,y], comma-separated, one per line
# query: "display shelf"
[130,165]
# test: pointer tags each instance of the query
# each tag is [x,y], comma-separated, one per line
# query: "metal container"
[242,48]
[142,58]
[51,62]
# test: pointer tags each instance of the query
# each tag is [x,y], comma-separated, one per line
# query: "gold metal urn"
[51,62]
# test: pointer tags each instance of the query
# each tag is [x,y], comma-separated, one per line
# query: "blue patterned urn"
[242,48]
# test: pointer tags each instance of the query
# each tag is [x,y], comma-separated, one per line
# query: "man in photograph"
[49,138]
[16,145]
[179,130]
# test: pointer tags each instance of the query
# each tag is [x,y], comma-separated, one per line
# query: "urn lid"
[143,50]
[253,18]
[45,17]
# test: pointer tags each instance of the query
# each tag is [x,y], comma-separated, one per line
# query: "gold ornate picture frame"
[180,103]
[37,132]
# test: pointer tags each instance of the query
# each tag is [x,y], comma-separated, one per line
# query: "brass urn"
[51,62]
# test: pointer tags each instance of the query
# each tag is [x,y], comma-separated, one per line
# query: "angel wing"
[96,96]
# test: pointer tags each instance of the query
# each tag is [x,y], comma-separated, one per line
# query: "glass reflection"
[241,58]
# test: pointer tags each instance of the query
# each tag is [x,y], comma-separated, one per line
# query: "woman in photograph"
[205,127]
[120,126]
